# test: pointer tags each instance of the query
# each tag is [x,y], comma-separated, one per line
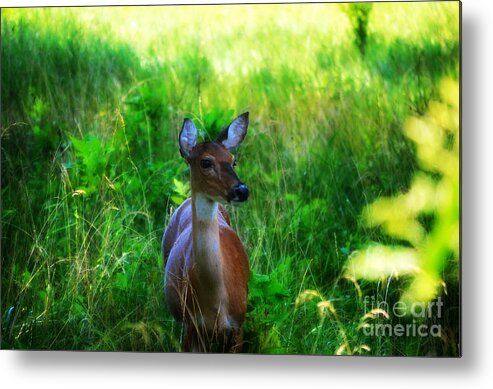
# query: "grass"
[92,102]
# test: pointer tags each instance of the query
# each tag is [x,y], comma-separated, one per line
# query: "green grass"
[92,102]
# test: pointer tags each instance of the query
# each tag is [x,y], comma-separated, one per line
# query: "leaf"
[90,151]
[121,281]
[26,278]
[275,288]
[179,186]
[177,199]
[378,262]
[423,288]
[77,309]
[42,295]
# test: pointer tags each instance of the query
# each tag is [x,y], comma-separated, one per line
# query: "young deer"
[206,265]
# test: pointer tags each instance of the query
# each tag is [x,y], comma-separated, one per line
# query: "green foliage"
[435,194]
[92,103]
[268,309]
[92,157]
[182,191]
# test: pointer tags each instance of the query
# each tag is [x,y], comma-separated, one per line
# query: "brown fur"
[195,293]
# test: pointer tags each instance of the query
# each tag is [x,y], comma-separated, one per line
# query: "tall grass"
[92,101]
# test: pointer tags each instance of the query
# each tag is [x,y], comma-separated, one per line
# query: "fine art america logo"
[418,311]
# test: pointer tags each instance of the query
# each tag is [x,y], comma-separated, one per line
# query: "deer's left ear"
[233,135]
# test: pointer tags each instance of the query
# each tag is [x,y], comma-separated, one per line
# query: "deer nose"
[241,192]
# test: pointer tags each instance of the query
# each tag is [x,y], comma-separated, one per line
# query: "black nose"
[241,192]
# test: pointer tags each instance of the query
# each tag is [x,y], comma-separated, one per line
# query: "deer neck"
[206,245]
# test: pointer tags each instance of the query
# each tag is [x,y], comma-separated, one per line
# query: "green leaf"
[78,308]
[181,188]
[378,262]
[26,277]
[177,199]
[121,281]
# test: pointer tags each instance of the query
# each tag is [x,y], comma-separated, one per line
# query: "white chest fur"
[208,263]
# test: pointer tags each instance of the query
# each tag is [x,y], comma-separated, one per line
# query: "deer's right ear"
[188,138]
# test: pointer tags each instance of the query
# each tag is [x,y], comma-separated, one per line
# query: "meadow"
[351,157]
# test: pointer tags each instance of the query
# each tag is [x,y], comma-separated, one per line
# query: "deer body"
[206,267]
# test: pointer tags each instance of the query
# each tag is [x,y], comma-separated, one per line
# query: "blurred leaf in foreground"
[434,193]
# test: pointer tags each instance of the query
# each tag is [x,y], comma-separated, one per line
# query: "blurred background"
[352,158]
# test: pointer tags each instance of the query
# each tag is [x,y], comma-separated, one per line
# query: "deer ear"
[187,138]
[234,134]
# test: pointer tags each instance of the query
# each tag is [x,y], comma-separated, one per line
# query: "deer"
[206,265]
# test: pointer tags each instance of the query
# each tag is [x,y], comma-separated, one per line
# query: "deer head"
[212,164]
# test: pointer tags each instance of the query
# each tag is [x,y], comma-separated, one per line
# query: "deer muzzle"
[239,193]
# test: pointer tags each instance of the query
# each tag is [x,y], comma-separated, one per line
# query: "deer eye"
[206,163]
